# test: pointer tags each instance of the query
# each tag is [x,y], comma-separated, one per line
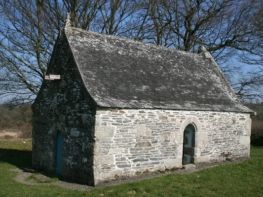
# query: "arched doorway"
[59,153]
[189,144]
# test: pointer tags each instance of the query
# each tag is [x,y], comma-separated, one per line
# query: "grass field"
[244,179]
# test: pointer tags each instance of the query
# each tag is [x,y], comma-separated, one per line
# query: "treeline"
[258,108]
[257,124]
[16,119]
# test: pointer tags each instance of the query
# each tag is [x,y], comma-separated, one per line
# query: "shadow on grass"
[22,159]
[257,140]
[19,158]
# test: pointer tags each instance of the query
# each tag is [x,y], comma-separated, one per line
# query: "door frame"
[193,144]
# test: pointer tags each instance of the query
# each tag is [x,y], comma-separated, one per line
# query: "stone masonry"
[64,106]
[131,142]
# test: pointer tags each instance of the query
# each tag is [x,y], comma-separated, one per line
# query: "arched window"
[188,144]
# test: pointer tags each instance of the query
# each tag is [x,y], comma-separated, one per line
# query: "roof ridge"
[122,38]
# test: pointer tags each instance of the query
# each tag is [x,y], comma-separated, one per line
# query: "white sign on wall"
[52,77]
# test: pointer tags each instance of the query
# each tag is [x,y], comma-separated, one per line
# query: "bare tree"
[23,48]
[256,54]
[225,27]
[220,26]
[249,85]
[27,35]
[28,30]
[83,12]
[117,17]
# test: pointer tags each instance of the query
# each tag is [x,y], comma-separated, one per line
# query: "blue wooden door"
[59,153]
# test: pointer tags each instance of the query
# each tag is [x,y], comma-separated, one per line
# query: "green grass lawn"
[244,179]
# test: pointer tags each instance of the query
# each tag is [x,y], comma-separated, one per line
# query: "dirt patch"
[10,134]
[32,178]
[22,177]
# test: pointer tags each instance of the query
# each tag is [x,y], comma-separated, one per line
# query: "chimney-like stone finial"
[68,21]
[202,49]
[205,52]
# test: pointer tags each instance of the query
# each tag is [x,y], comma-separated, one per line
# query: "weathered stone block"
[74,132]
[245,140]
[103,132]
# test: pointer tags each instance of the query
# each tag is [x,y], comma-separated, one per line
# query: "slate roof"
[122,73]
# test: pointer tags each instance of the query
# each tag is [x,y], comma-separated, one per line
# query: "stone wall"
[64,106]
[131,142]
